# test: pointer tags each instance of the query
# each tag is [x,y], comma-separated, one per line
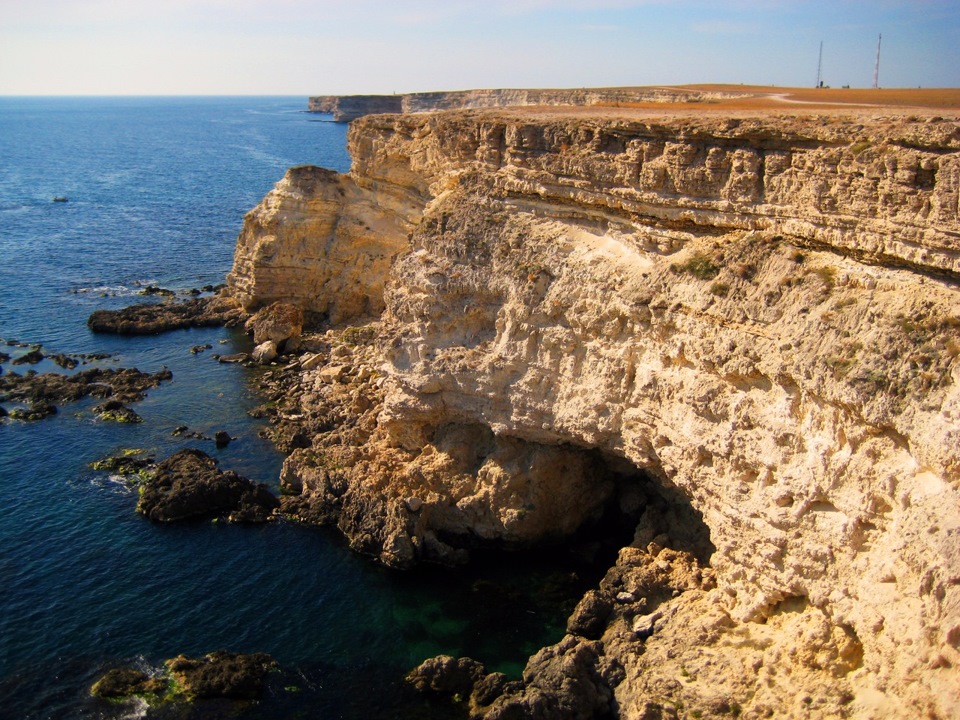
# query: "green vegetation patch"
[701,266]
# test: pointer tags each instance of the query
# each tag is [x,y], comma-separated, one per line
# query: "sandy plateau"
[736,327]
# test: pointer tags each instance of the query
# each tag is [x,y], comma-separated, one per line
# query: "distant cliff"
[740,328]
[345,108]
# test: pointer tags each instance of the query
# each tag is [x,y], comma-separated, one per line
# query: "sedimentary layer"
[345,108]
[748,324]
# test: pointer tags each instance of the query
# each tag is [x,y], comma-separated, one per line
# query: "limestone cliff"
[760,314]
[345,108]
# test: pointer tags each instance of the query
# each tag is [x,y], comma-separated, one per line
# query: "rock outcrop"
[323,243]
[756,315]
[188,484]
[43,392]
[155,318]
[219,674]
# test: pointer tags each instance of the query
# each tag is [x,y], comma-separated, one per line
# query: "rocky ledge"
[154,318]
[745,326]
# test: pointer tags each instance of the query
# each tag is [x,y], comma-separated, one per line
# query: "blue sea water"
[157,189]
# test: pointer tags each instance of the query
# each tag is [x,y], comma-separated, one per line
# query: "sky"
[319,47]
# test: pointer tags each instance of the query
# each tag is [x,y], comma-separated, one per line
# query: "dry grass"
[800,99]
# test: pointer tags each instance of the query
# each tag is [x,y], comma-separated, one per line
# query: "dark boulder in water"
[116,411]
[32,358]
[37,411]
[188,484]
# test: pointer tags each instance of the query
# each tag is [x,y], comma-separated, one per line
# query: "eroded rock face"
[321,243]
[759,313]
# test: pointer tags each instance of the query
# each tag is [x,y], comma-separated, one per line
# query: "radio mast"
[820,67]
[876,67]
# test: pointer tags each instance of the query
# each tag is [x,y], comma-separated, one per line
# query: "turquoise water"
[157,189]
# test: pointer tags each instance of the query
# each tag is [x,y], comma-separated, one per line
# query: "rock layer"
[759,313]
[345,108]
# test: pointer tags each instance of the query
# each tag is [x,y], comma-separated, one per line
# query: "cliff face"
[350,107]
[760,316]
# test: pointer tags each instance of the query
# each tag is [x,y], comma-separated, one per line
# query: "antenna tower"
[876,67]
[820,67]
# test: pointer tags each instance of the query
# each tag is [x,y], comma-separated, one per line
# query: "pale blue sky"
[304,47]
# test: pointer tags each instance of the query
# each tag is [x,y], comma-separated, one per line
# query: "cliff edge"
[740,332]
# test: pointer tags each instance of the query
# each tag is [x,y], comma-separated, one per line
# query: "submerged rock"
[189,485]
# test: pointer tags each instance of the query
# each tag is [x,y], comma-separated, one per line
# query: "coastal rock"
[126,682]
[44,391]
[131,464]
[189,485]
[222,674]
[233,358]
[446,675]
[279,324]
[265,352]
[154,318]
[757,315]
[116,411]
[589,619]
[35,411]
[30,358]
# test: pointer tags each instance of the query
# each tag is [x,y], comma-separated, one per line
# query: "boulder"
[117,412]
[280,323]
[589,618]
[446,675]
[265,352]
[188,484]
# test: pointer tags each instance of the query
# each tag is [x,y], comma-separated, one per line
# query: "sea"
[155,191]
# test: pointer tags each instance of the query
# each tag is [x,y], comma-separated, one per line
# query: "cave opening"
[507,602]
